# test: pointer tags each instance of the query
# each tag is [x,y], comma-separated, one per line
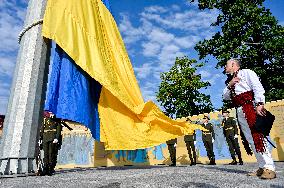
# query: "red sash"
[245,100]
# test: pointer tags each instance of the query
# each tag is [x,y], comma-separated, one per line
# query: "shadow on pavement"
[59,171]
[126,167]
[111,185]
[197,184]
[227,169]
[136,167]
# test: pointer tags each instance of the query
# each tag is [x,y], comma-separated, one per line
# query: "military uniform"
[50,130]
[172,150]
[189,141]
[207,137]
[230,130]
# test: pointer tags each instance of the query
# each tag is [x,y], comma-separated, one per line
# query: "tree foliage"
[248,32]
[179,90]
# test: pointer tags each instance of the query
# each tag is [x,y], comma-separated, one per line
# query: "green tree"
[179,90]
[248,32]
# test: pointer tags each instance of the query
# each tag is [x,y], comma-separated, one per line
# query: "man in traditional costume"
[247,95]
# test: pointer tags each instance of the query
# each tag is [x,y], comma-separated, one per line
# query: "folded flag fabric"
[87,32]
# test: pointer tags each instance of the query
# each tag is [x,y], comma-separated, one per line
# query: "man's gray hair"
[235,60]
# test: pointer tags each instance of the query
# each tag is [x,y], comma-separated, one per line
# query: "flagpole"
[27,95]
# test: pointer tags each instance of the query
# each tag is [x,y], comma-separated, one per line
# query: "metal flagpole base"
[15,167]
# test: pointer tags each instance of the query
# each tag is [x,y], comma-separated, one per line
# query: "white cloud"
[205,74]
[150,48]
[7,65]
[189,20]
[152,9]
[4,94]
[214,79]
[144,71]
[131,34]
[164,33]
[11,20]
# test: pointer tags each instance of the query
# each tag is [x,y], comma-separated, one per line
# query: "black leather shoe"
[241,163]
[173,164]
[233,162]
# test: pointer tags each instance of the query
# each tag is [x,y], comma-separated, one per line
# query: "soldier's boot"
[240,160]
[259,172]
[49,171]
[173,162]
[191,162]
[44,171]
[234,162]
[194,161]
[268,174]
[212,161]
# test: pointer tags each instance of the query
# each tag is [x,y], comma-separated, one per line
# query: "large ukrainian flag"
[92,80]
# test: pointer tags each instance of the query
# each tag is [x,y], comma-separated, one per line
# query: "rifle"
[39,160]
[59,120]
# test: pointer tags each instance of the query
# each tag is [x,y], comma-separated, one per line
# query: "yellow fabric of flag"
[87,32]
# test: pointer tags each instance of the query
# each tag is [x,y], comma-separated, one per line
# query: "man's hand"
[213,140]
[234,81]
[194,142]
[175,145]
[55,141]
[236,136]
[260,110]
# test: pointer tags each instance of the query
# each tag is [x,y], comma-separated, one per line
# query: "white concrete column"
[25,108]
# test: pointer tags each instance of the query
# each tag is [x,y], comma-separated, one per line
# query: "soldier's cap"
[225,111]
[206,117]
[187,119]
[46,114]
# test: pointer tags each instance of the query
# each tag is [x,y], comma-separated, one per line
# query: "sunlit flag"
[92,81]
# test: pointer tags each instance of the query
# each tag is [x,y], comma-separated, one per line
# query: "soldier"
[231,133]
[190,141]
[172,150]
[50,135]
[208,139]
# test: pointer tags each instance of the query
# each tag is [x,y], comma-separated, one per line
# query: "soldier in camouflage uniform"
[50,135]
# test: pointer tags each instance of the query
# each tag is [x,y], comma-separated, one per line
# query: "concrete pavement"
[151,176]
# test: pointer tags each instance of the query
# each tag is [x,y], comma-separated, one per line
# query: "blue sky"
[155,32]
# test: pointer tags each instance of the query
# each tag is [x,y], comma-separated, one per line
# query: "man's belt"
[206,133]
[51,130]
[230,128]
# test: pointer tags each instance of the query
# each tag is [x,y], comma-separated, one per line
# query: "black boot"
[240,160]
[173,163]
[234,162]
[212,161]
